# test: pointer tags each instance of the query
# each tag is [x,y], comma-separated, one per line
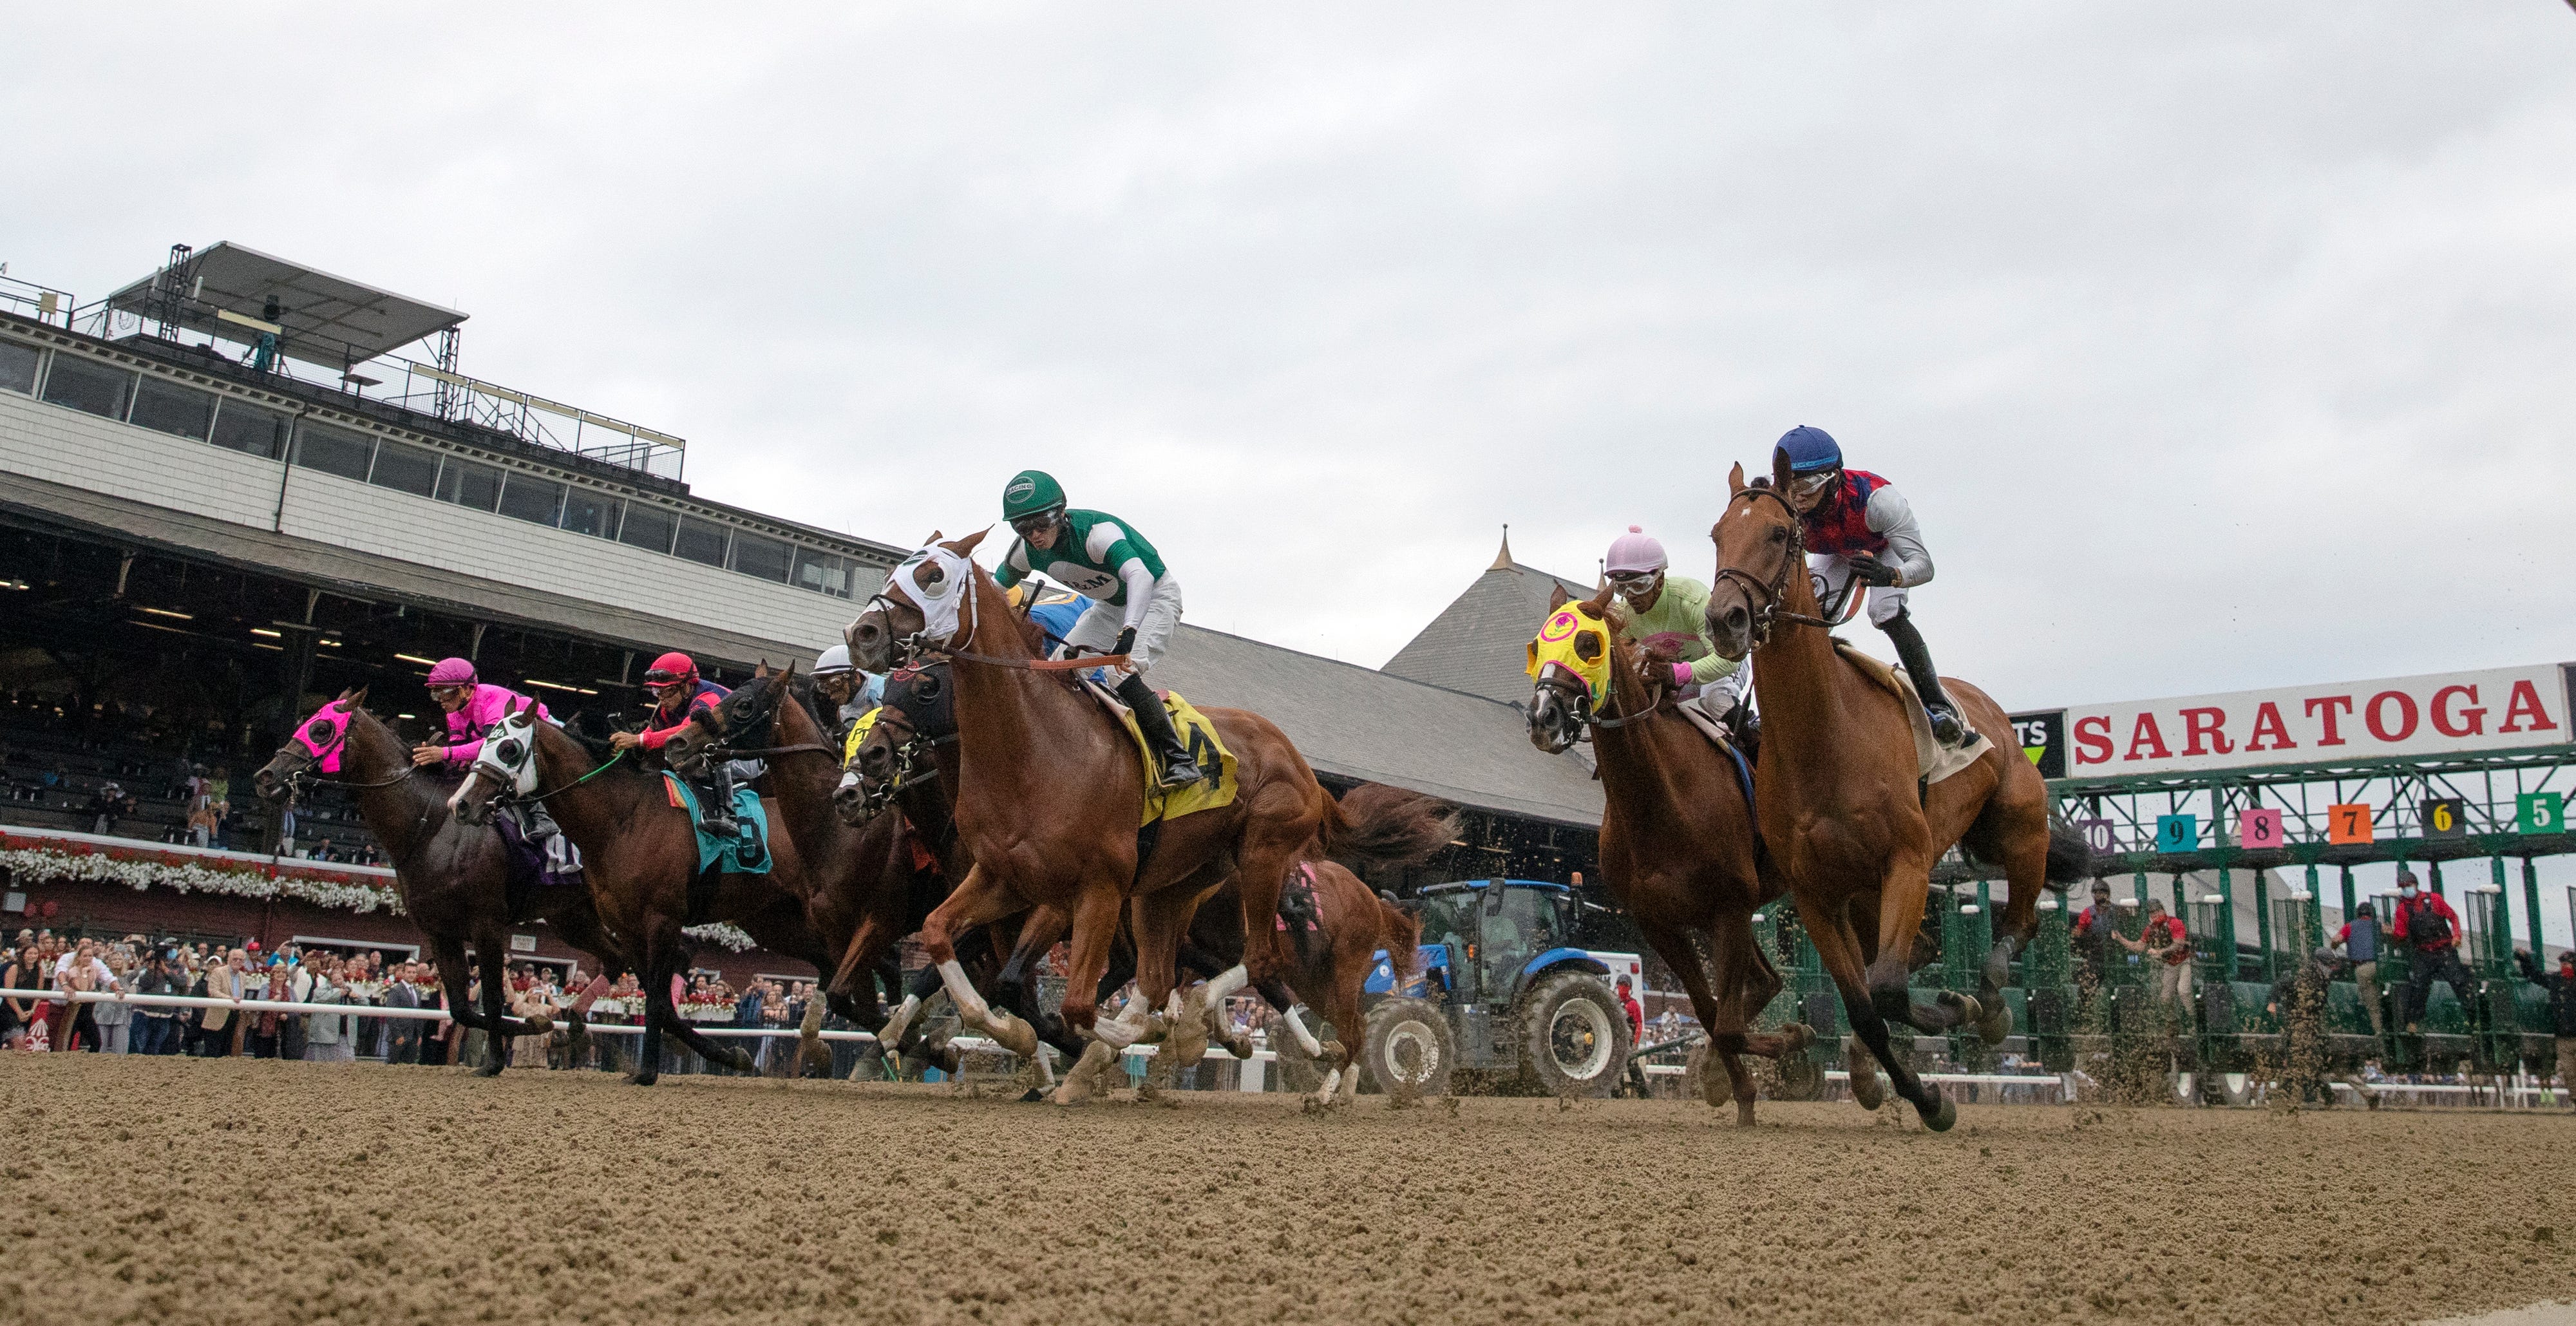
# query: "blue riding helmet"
[1811,449]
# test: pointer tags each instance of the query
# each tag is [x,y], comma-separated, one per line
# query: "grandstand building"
[238,486]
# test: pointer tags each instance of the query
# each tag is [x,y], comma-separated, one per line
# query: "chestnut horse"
[1050,793]
[640,854]
[1842,807]
[453,878]
[1678,847]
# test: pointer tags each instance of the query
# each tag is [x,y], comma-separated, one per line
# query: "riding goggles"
[1034,521]
[1808,485]
[1633,580]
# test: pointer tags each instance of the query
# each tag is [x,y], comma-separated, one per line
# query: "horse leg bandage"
[1305,1039]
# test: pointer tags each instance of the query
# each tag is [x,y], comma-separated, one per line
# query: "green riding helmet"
[1031,493]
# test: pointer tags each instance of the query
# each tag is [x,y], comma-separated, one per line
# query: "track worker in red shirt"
[2431,931]
[680,694]
[2164,938]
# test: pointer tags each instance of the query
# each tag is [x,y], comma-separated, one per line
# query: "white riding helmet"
[834,659]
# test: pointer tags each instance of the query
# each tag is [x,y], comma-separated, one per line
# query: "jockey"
[850,692]
[473,706]
[679,693]
[1136,602]
[1859,528]
[1667,612]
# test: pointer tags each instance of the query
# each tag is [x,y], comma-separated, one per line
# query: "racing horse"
[1843,806]
[640,854]
[454,878]
[1050,791]
[1678,848]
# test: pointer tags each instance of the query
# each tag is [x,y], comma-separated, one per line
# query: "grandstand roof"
[328,320]
[1478,642]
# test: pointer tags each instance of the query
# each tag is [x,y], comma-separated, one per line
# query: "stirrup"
[1174,769]
[1947,727]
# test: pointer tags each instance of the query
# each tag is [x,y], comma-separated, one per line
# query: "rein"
[604,767]
[1774,592]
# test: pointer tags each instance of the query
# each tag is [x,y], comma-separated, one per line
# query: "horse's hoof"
[641,1079]
[1941,1119]
[1865,1089]
[489,1070]
[538,1024]
[741,1061]
[1997,1024]
[1032,1096]
[1744,1114]
[1014,1035]
[1797,1036]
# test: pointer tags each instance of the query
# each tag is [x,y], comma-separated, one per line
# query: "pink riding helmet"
[452,672]
[1636,550]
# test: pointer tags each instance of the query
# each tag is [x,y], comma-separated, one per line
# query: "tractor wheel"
[1409,1049]
[1574,1036]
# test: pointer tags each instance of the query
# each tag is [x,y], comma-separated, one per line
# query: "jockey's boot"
[715,806]
[1746,726]
[1178,768]
[1947,728]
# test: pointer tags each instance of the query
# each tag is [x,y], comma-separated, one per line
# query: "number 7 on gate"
[2349,824]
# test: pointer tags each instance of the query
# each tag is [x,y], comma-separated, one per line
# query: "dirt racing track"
[239,1191]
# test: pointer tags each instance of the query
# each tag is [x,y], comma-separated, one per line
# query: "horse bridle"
[720,748]
[1795,560]
[1582,702]
[917,646]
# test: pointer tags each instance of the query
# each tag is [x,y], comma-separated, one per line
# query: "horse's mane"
[590,729]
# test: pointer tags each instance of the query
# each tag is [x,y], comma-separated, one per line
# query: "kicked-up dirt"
[161,1190]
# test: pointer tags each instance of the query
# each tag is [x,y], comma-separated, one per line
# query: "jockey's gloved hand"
[1867,569]
[1126,641]
[1681,675]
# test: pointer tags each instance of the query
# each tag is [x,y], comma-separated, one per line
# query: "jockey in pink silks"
[473,706]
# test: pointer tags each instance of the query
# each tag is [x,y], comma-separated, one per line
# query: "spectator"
[2562,1006]
[299,984]
[219,1031]
[2427,924]
[156,1027]
[24,971]
[2096,927]
[2165,939]
[115,1020]
[268,1026]
[2359,940]
[1636,1013]
[533,1001]
[79,969]
[402,1039]
[327,1036]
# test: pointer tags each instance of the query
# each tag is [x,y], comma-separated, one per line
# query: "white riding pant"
[1831,573]
[1098,627]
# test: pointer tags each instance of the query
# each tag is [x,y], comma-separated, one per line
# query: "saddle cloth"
[1933,761]
[1715,731]
[1197,733]
[726,852]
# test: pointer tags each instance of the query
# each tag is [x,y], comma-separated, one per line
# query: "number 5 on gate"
[2348,824]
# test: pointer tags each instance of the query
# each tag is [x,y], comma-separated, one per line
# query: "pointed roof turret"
[1503,559]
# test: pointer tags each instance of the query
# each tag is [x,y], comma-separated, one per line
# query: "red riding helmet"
[672,669]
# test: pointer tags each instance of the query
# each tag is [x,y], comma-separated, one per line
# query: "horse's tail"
[1377,825]
[2070,857]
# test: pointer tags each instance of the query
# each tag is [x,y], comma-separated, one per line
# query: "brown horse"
[640,853]
[1678,846]
[1842,807]
[454,878]
[1331,970]
[1051,790]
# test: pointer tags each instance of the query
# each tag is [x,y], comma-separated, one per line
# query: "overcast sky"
[2217,345]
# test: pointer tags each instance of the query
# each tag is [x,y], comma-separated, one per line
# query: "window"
[527,497]
[83,385]
[648,527]
[169,408]
[249,428]
[590,513]
[701,541]
[823,573]
[468,484]
[18,366]
[406,469]
[333,450]
[765,559]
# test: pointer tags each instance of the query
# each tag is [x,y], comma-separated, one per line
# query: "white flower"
[140,868]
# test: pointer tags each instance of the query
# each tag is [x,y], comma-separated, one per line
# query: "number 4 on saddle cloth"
[747,854]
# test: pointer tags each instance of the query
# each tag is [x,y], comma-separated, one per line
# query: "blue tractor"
[1505,993]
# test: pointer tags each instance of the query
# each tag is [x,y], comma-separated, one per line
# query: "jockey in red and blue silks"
[472,706]
[1859,528]
[680,694]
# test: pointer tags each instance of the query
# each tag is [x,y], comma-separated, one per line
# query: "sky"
[2216,345]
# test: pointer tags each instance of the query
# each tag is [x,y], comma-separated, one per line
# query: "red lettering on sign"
[2526,701]
[2405,710]
[2200,725]
[2147,737]
[2270,733]
[2322,708]
[2093,740]
[2469,723]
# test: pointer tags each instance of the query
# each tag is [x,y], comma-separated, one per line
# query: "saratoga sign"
[2452,713]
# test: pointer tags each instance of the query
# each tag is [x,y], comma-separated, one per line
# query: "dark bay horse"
[454,878]
[1842,808]
[640,854]
[1050,793]
[1678,847]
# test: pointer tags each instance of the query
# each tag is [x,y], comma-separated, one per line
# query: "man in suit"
[219,1032]
[402,1038]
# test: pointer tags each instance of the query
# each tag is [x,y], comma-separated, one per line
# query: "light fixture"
[265,633]
[403,715]
[165,612]
[559,686]
[415,658]
[13,584]
[333,643]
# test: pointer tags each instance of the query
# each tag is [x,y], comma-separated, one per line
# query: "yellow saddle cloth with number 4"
[1200,735]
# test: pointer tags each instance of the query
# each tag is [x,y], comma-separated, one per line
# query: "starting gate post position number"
[2349,824]
[2540,812]
[2446,817]
[2177,833]
[2259,828]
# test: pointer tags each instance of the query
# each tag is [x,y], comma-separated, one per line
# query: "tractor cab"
[1483,939]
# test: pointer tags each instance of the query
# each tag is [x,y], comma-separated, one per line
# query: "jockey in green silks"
[1666,613]
[1136,604]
